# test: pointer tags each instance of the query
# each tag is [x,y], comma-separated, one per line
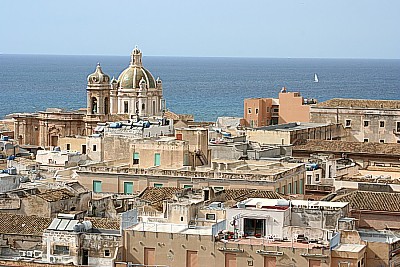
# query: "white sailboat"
[316,78]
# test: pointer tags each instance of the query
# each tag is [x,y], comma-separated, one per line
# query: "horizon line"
[186,56]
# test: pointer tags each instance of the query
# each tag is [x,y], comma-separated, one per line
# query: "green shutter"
[158,185]
[157,159]
[301,186]
[97,186]
[136,155]
[128,188]
[289,189]
[295,188]
[187,186]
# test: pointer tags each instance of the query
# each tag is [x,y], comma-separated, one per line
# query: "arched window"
[94,105]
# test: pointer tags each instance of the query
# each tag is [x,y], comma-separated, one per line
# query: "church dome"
[98,77]
[131,76]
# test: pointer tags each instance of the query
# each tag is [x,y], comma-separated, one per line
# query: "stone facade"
[44,201]
[366,120]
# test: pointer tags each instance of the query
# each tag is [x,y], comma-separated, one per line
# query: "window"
[256,110]
[267,109]
[382,141]
[210,216]
[128,188]
[68,146]
[381,124]
[398,126]
[126,107]
[309,178]
[107,253]
[97,186]
[366,140]
[157,159]
[317,177]
[289,188]
[348,123]
[188,186]
[158,185]
[276,109]
[301,186]
[366,123]
[295,188]
[94,148]
[136,158]
[283,190]
[83,149]
[181,218]
[218,188]
[249,110]
[61,250]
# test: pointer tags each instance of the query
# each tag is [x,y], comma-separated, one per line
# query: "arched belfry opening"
[94,105]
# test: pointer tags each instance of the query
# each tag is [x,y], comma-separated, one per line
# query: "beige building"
[285,178]
[46,200]
[73,242]
[163,153]
[290,133]
[289,107]
[366,120]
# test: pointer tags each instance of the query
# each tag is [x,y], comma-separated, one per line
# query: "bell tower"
[98,98]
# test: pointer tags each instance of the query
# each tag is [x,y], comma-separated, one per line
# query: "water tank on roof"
[241,205]
[87,225]
[282,202]
[12,171]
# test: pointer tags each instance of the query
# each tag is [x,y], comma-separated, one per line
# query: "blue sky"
[264,28]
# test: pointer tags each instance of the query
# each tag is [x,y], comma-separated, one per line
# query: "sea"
[207,87]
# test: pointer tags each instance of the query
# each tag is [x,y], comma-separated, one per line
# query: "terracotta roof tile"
[376,201]
[347,147]
[22,224]
[360,103]
[155,195]
[104,223]
[245,193]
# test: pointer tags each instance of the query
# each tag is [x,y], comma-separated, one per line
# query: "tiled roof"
[376,201]
[55,195]
[360,103]
[245,193]
[155,195]
[22,224]
[104,223]
[347,147]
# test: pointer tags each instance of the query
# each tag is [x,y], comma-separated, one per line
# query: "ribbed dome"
[130,77]
[98,77]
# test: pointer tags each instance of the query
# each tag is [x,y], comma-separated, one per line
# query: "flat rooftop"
[293,126]
[171,228]
[355,248]
[359,103]
[267,242]
[265,202]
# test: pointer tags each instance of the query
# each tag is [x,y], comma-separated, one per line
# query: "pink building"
[289,107]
